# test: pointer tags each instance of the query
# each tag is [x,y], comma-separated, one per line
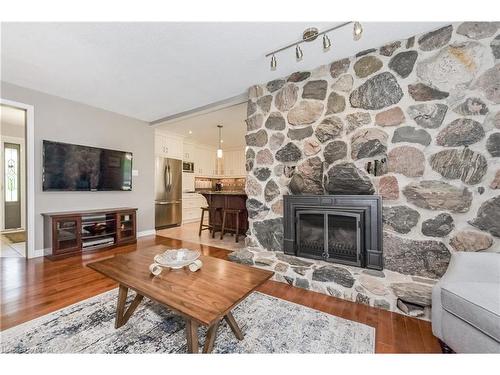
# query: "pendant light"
[219,150]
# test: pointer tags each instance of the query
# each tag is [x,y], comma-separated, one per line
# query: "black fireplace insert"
[343,229]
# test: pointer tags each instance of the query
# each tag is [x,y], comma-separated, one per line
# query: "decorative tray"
[177,258]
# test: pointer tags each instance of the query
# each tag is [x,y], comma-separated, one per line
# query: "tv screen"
[68,167]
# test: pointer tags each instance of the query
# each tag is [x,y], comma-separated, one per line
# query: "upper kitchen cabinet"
[189,152]
[234,163]
[204,161]
[169,146]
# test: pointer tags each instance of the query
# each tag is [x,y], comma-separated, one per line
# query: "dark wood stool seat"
[236,230]
[210,227]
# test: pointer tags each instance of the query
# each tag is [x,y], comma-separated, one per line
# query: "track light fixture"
[298,53]
[309,35]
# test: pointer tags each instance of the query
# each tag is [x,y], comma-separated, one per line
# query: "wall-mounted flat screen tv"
[68,167]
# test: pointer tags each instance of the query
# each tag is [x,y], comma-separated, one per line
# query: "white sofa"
[466,304]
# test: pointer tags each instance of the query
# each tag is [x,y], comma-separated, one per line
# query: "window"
[11,153]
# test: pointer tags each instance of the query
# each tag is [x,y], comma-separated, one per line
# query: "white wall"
[62,120]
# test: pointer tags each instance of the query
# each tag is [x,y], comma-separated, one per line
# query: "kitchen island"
[228,200]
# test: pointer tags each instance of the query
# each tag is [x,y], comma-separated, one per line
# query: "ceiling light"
[219,150]
[273,62]
[190,132]
[326,42]
[357,31]
[298,53]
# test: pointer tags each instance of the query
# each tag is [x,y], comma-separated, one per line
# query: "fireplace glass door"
[344,237]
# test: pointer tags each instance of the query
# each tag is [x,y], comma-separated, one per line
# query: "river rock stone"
[388,188]
[495,47]
[365,52]
[315,90]
[255,122]
[390,117]
[339,67]
[427,258]
[495,184]
[256,209]
[262,173]
[373,285]
[428,115]
[308,179]
[271,191]
[346,178]
[264,103]
[406,160]
[269,233]
[377,92]
[264,157]
[356,120]
[277,207]
[293,261]
[311,147]
[298,76]
[492,121]
[300,133]
[403,63]
[275,121]
[493,144]
[411,135]
[382,304]
[438,226]
[400,218]
[286,97]
[241,256]
[477,30]
[305,113]
[488,216]
[272,86]
[336,103]
[258,139]
[471,107]
[334,151]
[455,65]
[255,91]
[368,142]
[438,195]
[251,108]
[344,83]
[460,132]
[289,170]
[465,164]
[288,153]
[423,93]
[330,128]
[367,65]
[276,141]
[489,84]
[249,159]
[334,274]
[389,49]
[435,39]
[253,187]
[417,294]
[468,240]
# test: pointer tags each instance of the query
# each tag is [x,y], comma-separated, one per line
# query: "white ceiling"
[204,129]
[152,70]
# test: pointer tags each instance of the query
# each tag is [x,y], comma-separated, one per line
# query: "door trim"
[30,174]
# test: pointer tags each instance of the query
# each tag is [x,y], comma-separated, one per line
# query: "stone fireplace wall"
[429,106]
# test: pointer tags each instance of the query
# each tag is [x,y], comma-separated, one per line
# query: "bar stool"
[210,226]
[231,211]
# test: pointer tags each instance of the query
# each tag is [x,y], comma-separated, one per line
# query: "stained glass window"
[11,174]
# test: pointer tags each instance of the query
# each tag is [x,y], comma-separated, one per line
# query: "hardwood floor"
[35,287]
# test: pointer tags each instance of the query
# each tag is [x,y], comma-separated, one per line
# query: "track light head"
[273,62]
[298,53]
[326,42]
[357,31]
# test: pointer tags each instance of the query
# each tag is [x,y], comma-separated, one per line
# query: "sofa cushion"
[476,303]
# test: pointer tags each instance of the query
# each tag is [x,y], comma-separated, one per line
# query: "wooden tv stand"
[78,232]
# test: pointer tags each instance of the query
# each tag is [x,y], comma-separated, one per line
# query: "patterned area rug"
[270,325]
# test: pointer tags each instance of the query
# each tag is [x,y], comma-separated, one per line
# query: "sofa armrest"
[476,267]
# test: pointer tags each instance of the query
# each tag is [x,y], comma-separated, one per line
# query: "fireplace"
[343,229]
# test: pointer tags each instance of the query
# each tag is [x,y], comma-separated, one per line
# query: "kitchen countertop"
[210,192]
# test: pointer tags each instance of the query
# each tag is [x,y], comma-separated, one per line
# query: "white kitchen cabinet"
[168,146]
[191,207]
[189,152]
[234,163]
[204,163]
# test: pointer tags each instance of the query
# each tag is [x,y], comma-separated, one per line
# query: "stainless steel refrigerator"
[168,192]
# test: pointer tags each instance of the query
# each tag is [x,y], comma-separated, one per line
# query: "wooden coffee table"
[204,297]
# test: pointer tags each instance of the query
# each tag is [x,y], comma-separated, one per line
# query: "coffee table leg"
[192,336]
[234,325]
[122,315]
[211,335]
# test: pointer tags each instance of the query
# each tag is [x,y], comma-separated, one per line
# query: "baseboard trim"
[38,253]
[148,232]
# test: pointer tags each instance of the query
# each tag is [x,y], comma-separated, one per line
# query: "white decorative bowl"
[177,258]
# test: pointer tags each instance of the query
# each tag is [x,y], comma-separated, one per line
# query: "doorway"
[13,237]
